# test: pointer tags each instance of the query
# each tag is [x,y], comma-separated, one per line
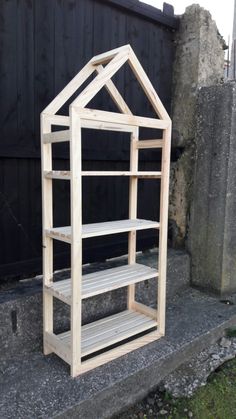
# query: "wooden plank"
[147,11]
[56,137]
[59,233]
[70,89]
[115,95]
[47,223]
[102,229]
[24,61]
[58,346]
[103,281]
[110,330]
[147,311]
[106,126]
[59,120]
[149,175]
[149,144]
[147,86]
[60,136]
[109,55]
[121,331]
[133,195]
[57,174]
[43,69]
[65,174]
[113,117]
[76,241]
[9,81]
[123,173]
[165,169]
[100,80]
[119,351]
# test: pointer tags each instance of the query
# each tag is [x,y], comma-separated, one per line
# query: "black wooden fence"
[43,44]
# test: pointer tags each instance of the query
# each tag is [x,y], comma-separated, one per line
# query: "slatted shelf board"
[81,341]
[102,229]
[103,281]
[108,331]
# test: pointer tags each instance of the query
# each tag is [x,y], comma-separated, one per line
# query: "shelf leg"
[133,195]
[165,169]
[47,215]
[76,242]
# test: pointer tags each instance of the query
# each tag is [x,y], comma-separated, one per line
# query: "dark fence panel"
[43,44]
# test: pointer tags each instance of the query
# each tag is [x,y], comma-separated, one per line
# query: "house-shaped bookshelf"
[111,337]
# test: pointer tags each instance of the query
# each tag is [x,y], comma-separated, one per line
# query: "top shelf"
[102,229]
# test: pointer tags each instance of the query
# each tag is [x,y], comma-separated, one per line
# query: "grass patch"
[231,333]
[217,400]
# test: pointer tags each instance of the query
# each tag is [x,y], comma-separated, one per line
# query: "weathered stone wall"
[199,62]
[212,229]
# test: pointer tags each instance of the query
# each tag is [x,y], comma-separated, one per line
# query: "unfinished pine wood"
[143,144]
[121,350]
[139,174]
[56,137]
[102,229]
[57,174]
[80,341]
[65,174]
[115,94]
[76,241]
[106,125]
[110,330]
[146,310]
[133,195]
[58,120]
[70,89]
[106,56]
[131,120]
[47,222]
[103,281]
[62,349]
[162,261]
[147,86]
[100,80]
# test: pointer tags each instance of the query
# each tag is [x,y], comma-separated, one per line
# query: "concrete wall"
[212,232]
[199,62]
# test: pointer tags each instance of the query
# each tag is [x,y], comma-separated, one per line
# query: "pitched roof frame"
[114,60]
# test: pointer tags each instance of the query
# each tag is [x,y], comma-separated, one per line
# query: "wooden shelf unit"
[81,341]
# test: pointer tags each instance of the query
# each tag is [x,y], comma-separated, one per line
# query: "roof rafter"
[147,86]
[114,60]
[115,94]
[101,79]
[108,55]
[70,89]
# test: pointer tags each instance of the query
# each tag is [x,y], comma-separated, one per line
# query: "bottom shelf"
[110,330]
[103,334]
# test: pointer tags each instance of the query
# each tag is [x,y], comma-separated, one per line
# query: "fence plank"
[43,45]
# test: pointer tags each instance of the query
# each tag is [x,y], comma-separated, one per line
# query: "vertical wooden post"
[47,223]
[76,241]
[133,195]
[165,170]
